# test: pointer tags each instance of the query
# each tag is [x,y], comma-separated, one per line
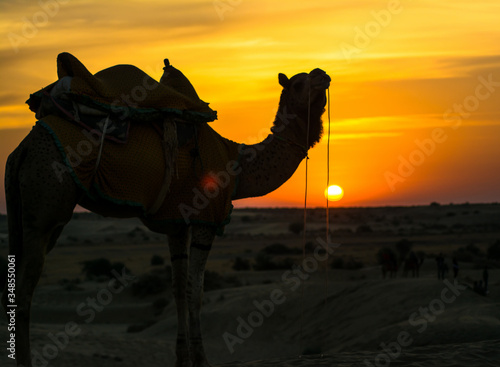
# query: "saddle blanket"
[131,175]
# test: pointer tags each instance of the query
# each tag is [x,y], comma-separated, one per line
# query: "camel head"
[303,95]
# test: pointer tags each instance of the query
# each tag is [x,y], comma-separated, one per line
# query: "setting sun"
[334,193]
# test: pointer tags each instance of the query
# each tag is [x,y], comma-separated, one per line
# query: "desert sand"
[335,317]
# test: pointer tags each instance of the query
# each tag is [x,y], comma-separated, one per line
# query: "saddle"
[110,100]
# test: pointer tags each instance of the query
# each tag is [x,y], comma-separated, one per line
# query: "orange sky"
[398,68]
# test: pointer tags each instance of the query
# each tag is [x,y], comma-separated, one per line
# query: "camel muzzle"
[320,80]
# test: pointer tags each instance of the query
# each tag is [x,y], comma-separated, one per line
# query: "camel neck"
[267,165]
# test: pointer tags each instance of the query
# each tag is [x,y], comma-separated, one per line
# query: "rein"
[305,214]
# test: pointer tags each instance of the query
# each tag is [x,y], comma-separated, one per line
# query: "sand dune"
[359,319]
[349,329]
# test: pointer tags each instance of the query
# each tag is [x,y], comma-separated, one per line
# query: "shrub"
[309,247]
[312,350]
[353,264]
[214,280]
[265,262]
[279,249]
[149,284]
[241,264]
[97,268]
[102,268]
[246,219]
[157,260]
[338,263]
[494,251]
[364,228]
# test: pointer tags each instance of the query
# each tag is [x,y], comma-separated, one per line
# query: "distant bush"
[71,284]
[246,219]
[296,227]
[149,284]
[343,231]
[102,268]
[214,281]
[351,264]
[337,263]
[312,350]
[157,260]
[364,228]
[280,249]
[309,247]
[241,264]
[265,262]
[494,251]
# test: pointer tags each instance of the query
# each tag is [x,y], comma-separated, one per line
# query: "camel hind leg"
[38,207]
[177,243]
[202,238]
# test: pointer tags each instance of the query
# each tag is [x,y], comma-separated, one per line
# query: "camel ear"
[284,81]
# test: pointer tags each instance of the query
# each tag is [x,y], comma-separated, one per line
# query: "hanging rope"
[305,224]
[327,208]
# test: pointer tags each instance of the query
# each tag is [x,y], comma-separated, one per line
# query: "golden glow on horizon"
[334,193]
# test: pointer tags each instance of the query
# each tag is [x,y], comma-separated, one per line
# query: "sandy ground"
[342,318]
[358,316]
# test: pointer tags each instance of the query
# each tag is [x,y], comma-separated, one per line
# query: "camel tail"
[13,200]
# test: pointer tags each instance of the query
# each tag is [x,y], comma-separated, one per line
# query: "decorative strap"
[170,154]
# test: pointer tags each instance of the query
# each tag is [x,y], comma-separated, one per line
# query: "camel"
[39,206]
[413,264]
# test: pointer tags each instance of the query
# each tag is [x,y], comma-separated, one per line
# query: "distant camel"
[413,264]
[39,206]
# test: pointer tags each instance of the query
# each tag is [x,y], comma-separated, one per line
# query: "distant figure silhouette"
[440,266]
[455,267]
[413,263]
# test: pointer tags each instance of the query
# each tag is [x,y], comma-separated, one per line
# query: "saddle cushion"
[131,175]
[124,93]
